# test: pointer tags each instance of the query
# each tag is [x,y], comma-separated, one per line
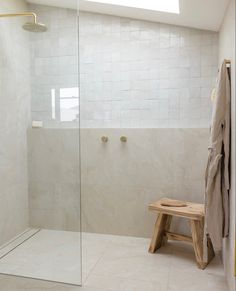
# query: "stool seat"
[194,212]
[191,210]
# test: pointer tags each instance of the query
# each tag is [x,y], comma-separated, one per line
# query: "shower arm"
[30,14]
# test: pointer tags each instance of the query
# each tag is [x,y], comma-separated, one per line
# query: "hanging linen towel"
[217,172]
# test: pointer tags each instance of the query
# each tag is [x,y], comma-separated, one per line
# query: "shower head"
[35,27]
[32,26]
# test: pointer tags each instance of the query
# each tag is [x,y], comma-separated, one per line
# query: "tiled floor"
[115,263]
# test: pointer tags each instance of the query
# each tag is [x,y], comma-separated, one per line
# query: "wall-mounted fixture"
[104,139]
[32,26]
[123,139]
[37,124]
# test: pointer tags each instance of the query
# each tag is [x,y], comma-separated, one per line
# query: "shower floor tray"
[44,254]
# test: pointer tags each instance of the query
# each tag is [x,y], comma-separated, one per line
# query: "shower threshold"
[43,254]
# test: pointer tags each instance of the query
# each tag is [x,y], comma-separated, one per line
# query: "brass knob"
[104,139]
[123,139]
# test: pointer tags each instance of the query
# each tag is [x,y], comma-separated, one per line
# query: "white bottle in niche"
[37,124]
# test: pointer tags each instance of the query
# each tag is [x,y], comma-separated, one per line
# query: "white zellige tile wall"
[142,74]
[133,73]
[54,61]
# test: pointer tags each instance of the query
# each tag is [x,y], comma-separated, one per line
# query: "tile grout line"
[124,278]
[102,255]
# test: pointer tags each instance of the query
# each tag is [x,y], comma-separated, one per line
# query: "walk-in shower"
[104,112]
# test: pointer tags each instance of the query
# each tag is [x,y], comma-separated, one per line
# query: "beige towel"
[217,171]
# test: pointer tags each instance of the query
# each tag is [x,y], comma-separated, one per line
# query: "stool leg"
[210,248]
[167,228]
[158,233]
[197,235]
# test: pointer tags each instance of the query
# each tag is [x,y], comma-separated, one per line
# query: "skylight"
[171,6]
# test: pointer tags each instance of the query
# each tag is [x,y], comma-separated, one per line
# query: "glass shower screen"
[49,248]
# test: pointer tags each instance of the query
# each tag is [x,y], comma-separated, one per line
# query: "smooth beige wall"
[227,51]
[119,180]
[54,190]
[14,120]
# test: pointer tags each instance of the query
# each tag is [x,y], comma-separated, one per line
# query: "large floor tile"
[114,283]
[135,263]
[185,258]
[181,280]
[12,283]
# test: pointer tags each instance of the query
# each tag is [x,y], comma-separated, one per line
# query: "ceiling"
[203,14]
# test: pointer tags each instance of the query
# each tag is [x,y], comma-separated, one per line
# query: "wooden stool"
[192,211]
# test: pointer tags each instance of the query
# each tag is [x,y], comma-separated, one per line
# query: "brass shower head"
[33,26]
